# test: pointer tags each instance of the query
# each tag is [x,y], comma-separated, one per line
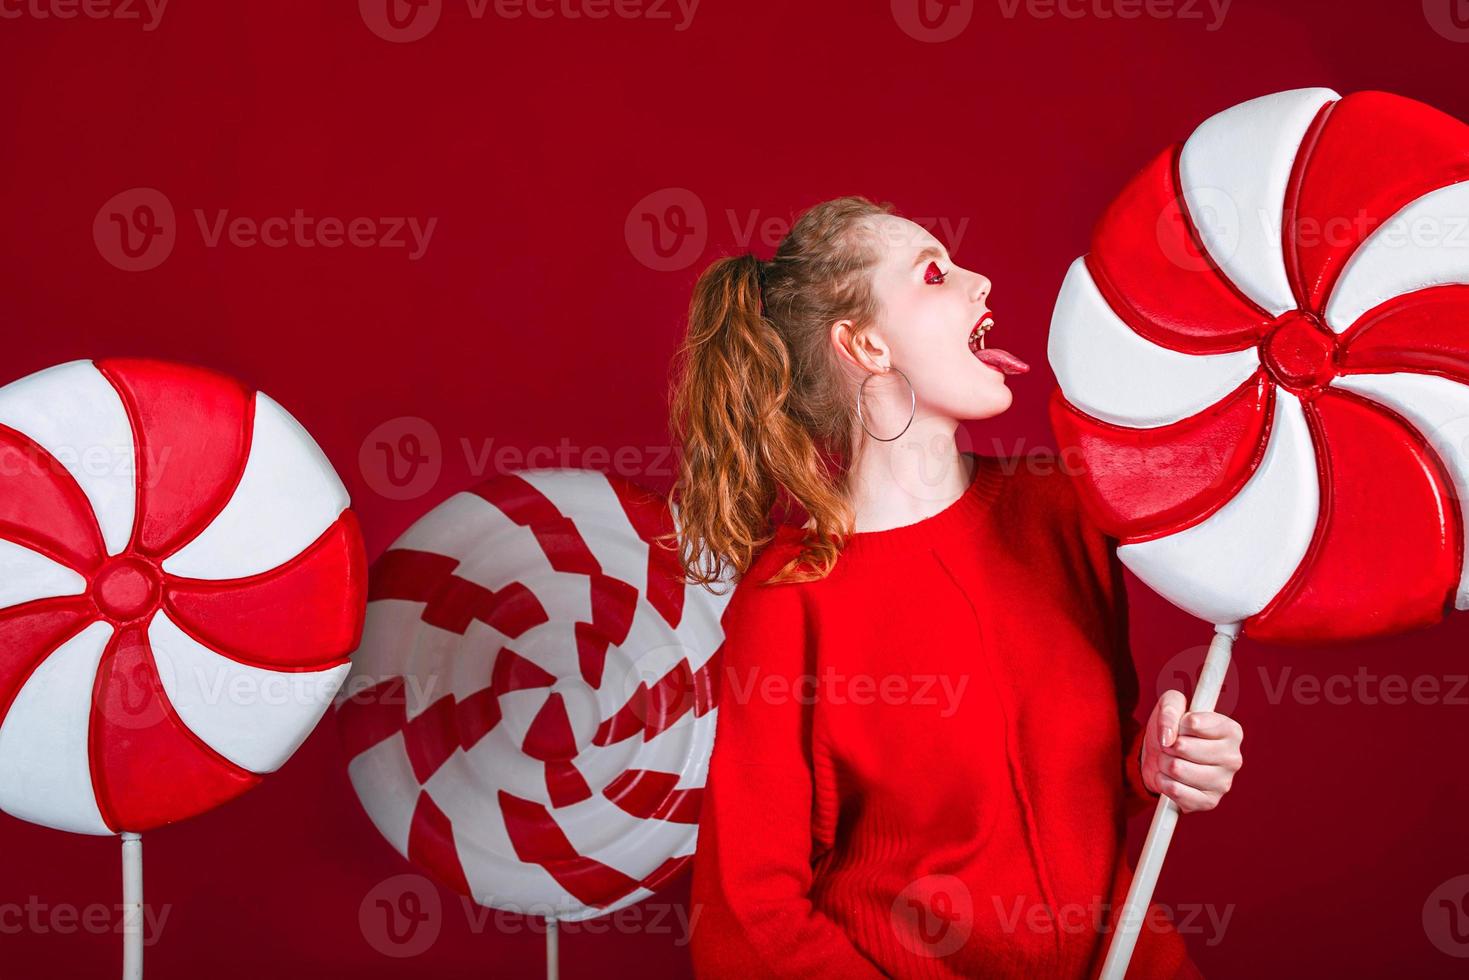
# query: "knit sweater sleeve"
[1106,571]
[1138,797]
[753,865]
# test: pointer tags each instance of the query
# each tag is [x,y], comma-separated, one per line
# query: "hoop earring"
[912,408]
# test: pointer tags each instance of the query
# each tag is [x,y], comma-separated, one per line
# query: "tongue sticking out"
[1002,360]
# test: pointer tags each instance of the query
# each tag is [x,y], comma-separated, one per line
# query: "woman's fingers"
[1196,766]
[1189,799]
[1206,751]
[1205,778]
[1211,724]
[1169,714]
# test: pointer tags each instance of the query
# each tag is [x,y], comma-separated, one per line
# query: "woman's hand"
[1190,756]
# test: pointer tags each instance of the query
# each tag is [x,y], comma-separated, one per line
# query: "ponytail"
[758,406]
[739,445]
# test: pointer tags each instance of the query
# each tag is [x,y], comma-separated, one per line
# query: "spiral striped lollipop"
[1264,367]
[531,713]
[180,586]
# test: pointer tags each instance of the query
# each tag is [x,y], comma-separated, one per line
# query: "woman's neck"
[893,484]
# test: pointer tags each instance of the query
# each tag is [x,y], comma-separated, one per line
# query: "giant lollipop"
[181,583]
[1264,366]
[531,713]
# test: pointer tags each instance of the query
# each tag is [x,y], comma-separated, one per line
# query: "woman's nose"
[981,288]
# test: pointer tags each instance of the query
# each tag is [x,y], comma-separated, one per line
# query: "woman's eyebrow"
[929,252]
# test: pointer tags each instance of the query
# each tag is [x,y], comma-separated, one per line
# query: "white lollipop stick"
[132,907]
[553,960]
[1165,818]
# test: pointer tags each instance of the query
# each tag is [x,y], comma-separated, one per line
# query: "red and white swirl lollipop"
[181,584]
[531,713]
[1264,368]
[1264,365]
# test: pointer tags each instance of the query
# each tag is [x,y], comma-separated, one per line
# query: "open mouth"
[993,357]
[985,325]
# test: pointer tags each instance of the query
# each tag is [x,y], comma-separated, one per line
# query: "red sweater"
[923,763]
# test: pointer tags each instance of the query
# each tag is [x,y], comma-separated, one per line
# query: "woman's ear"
[864,350]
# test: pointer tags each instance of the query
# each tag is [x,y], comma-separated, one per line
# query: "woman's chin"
[997,398]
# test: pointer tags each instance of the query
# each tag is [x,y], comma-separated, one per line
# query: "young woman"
[925,751]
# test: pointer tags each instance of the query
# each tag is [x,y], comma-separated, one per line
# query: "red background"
[538,317]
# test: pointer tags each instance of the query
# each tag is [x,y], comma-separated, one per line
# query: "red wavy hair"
[758,405]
